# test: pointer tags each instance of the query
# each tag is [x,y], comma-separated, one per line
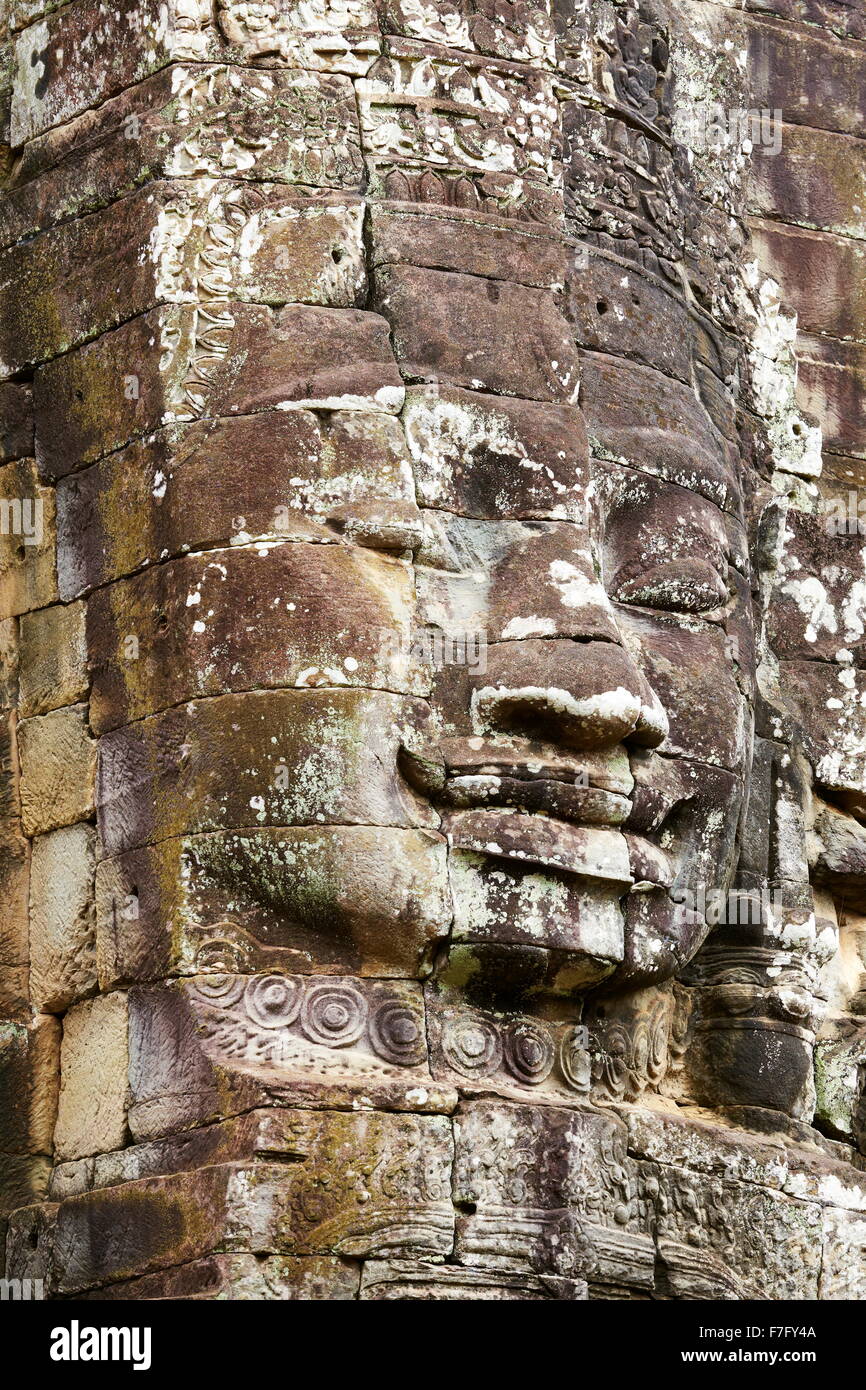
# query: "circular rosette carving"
[574,1059]
[397,1034]
[219,956]
[272,1001]
[220,990]
[472,1046]
[528,1053]
[334,1015]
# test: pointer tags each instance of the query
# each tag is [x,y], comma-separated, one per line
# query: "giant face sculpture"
[500,728]
[455,686]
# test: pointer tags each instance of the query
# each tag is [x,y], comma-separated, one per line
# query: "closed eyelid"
[691,584]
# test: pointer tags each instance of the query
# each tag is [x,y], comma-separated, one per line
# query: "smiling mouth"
[592,791]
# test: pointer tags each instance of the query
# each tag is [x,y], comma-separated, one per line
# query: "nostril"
[652,727]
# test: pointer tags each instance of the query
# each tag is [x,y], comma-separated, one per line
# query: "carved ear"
[839,855]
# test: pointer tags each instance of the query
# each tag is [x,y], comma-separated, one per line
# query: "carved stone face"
[594,767]
[550,690]
[521,703]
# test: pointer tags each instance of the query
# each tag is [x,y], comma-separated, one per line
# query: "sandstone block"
[478,334]
[214,121]
[94,1086]
[28,572]
[29,1075]
[252,760]
[489,456]
[16,422]
[278,475]
[235,359]
[58,769]
[62,927]
[335,614]
[367,899]
[53,659]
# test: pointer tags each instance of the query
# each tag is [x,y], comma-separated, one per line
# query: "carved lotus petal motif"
[334,1015]
[472,1047]
[574,1060]
[397,1034]
[529,1053]
[272,1001]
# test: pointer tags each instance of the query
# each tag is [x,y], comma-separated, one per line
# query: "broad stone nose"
[580,694]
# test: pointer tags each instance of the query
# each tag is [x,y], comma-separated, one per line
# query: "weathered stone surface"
[53,659]
[521,34]
[94,1087]
[24,1180]
[386,1280]
[467,241]
[488,456]
[328,37]
[219,1045]
[540,582]
[432,113]
[533,1194]
[821,276]
[297,127]
[284,475]
[478,334]
[826,701]
[152,640]
[639,417]
[58,769]
[168,775]
[14,952]
[613,310]
[309,1203]
[28,571]
[817,611]
[819,83]
[478,876]
[29,1071]
[170,243]
[830,386]
[14,849]
[113,50]
[817,179]
[283,1278]
[364,898]
[62,926]
[518,1057]
[841,1268]
[100,396]
[233,359]
[16,429]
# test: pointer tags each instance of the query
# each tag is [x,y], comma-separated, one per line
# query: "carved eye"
[389,525]
[684,586]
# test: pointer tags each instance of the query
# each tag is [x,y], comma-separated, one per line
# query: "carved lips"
[540,807]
